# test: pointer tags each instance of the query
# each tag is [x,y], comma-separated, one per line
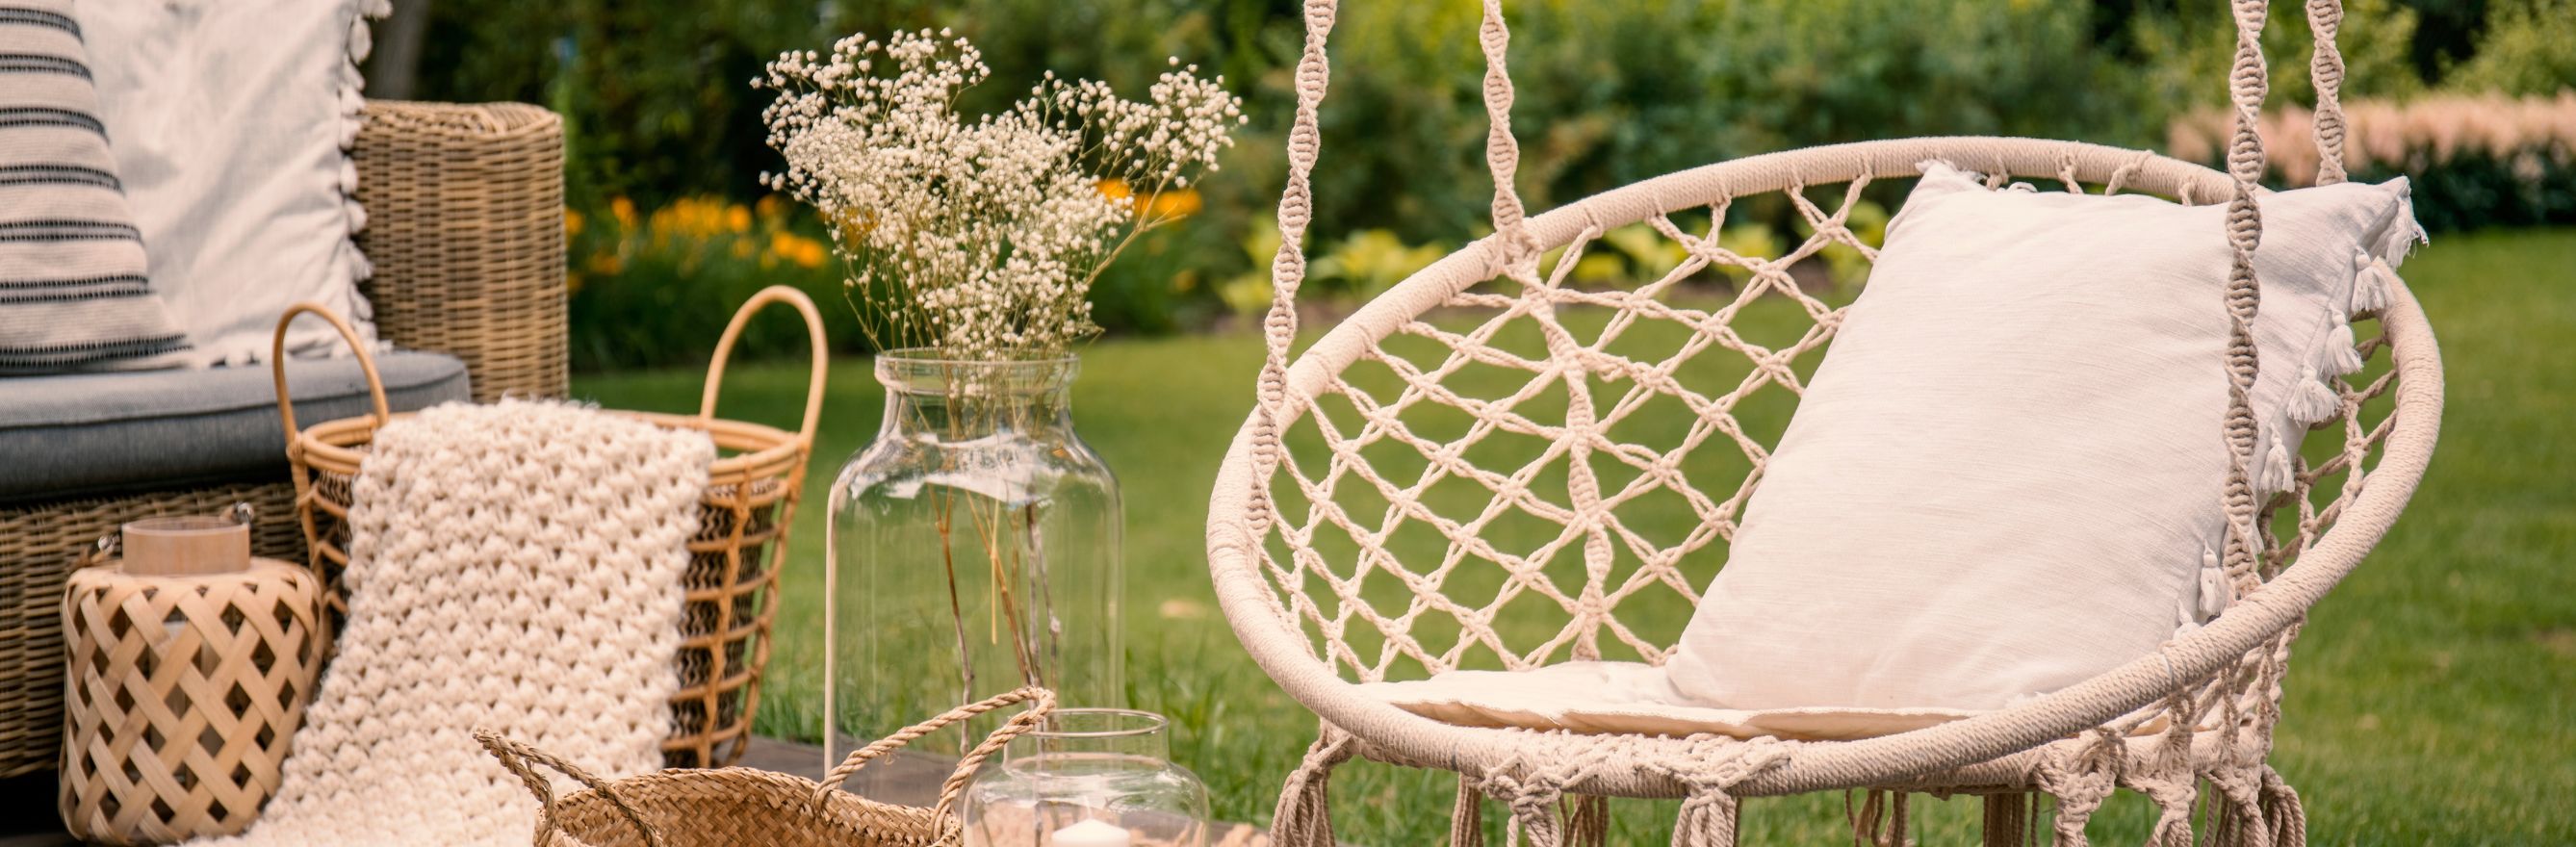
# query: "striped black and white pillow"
[73,294]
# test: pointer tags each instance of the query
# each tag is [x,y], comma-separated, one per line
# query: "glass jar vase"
[1088,778]
[973,549]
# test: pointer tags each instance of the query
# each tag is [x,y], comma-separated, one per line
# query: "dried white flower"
[979,238]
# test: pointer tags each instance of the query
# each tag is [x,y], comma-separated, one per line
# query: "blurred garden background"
[2430,700]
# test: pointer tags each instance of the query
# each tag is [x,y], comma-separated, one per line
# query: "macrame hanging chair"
[1302,566]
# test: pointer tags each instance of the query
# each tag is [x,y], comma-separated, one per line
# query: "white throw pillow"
[231,124]
[73,293]
[2005,476]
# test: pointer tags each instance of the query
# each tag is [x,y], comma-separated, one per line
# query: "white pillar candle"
[1090,833]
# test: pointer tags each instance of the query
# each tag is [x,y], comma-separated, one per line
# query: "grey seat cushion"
[96,433]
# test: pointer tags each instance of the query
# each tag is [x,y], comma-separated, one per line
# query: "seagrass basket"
[734,806]
[733,560]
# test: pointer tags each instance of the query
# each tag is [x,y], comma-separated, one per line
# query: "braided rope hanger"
[2246,86]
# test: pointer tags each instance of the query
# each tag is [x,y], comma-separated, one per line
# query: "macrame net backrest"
[1494,466]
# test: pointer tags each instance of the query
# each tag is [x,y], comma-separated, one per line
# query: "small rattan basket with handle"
[733,560]
[732,806]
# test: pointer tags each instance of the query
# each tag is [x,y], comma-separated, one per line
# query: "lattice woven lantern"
[190,667]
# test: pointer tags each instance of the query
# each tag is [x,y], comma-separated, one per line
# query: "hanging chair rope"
[2168,764]
[2325,68]
[1296,211]
[1502,150]
[2246,88]
[1288,267]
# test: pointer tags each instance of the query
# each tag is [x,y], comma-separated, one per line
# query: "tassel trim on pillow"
[2371,279]
[2314,401]
[353,107]
[2374,267]
[2275,476]
[2315,397]
[2341,354]
[2403,234]
[2215,595]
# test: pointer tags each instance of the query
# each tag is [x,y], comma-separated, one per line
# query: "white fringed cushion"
[2004,478]
[232,122]
[73,289]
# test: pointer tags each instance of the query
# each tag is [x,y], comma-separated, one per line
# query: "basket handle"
[366,363]
[516,757]
[1040,700]
[813,330]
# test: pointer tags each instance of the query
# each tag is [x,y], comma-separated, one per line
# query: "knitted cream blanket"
[516,566]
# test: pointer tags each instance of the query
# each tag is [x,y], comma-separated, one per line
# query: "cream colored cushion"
[2004,477]
[1627,697]
[231,122]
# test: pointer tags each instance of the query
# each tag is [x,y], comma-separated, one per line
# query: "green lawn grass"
[2432,700]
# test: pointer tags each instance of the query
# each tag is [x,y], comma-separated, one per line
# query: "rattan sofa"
[466,233]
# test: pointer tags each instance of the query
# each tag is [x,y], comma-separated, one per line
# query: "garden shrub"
[2474,161]
[656,289]
[1610,92]
[2529,50]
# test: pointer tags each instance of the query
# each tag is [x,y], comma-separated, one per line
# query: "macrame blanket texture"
[514,566]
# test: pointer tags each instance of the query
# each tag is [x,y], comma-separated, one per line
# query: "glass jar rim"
[1148,723]
[916,371]
[926,356]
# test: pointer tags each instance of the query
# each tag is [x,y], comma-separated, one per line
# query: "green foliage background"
[1610,91]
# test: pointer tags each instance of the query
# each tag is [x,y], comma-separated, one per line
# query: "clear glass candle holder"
[973,549]
[1088,778]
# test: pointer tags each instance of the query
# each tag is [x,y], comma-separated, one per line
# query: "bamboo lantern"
[191,663]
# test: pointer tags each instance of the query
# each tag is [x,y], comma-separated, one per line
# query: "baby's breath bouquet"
[977,526]
[978,238]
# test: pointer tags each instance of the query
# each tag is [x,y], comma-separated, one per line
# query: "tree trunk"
[393,70]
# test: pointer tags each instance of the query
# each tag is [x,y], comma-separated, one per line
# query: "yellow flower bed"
[688,235]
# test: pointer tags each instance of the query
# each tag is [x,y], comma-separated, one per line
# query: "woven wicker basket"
[733,806]
[734,558]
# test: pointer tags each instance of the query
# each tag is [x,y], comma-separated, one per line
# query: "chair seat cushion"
[80,434]
[1633,698]
[1629,698]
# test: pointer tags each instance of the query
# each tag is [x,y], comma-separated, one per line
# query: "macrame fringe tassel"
[1534,818]
[2007,819]
[1880,820]
[1587,821]
[1708,819]
[2281,808]
[1863,819]
[1467,816]
[1305,814]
